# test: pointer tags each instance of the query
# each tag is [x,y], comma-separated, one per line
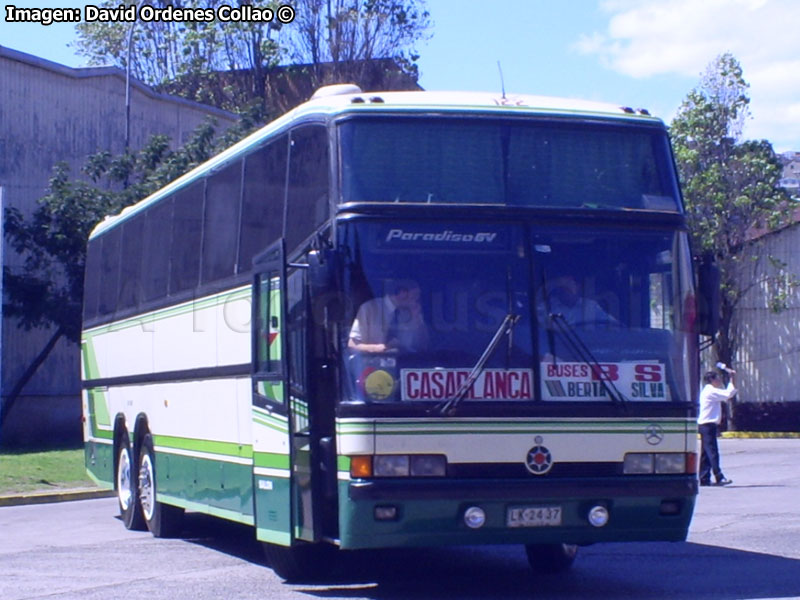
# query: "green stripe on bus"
[271,460]
[281,538]
[208,446]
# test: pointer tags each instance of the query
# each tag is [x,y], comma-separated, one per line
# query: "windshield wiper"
[449,407]
[578,346]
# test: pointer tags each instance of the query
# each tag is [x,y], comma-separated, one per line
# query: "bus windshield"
[583,315]
[543,163]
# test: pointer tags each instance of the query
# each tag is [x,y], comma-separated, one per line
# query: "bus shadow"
[657,570]
[633,570]
[222,536]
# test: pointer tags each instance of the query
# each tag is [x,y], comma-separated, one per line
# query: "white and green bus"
[551,405]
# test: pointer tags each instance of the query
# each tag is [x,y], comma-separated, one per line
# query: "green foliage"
[730,187]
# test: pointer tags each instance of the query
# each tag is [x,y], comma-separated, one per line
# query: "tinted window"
[520,162]
[221,223]
[157,232]
[262,202]
[308,183]
[130,288]
[91,287]
[187,220]
[109,272]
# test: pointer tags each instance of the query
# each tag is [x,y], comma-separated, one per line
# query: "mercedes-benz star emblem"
[654,434]
[539,460]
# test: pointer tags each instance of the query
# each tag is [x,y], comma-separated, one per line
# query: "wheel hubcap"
[124,484]
[146,488]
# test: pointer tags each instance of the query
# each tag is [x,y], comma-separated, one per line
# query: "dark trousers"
[709,452]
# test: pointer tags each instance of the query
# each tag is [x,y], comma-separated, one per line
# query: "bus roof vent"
[338,89]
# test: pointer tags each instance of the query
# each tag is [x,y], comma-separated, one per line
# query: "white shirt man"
[713,394]
[390,322]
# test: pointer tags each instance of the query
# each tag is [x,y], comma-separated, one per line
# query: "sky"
[639,53]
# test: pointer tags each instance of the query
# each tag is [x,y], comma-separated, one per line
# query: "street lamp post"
[128,78]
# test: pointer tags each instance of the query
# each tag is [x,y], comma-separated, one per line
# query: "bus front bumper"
[398,513]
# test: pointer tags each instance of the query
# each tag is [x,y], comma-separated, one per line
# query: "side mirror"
[708,296]
[322,267]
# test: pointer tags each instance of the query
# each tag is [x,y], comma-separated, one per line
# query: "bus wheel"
[303,562]
[163,520]
[127,492]
[551,558]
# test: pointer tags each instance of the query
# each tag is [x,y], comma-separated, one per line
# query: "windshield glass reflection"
[585,311]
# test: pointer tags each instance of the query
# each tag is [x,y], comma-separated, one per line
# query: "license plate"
[534,516]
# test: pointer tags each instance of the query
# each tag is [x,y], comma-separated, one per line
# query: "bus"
[231,360]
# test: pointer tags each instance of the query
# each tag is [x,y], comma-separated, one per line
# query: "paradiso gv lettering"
[443,236]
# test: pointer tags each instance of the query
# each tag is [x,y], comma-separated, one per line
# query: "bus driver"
[390,322]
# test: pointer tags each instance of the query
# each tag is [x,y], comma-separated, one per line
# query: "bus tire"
[551,558]
[130,509]
[303,562]
[163,520]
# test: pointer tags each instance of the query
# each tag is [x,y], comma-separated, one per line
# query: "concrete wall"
[51,113]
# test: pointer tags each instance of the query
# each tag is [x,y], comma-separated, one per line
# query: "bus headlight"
[659,463]
[405,465]
[671,463]
[390,465]
[428,465]
[637,464]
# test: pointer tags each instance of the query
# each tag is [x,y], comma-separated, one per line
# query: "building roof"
[88,72]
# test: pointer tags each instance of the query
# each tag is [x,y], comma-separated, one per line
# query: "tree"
[189,55]
[349,33]
[731,191]
[47,293]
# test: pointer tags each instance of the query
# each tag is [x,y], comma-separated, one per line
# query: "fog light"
[385,513]
[474,517]
[670,508]
[598,516]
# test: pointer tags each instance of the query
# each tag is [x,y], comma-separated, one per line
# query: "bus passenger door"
[282,441]
[272,460]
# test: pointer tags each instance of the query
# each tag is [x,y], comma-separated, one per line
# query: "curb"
[50,497]
[760,435]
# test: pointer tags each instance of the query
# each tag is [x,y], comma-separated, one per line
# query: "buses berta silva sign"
[642,380]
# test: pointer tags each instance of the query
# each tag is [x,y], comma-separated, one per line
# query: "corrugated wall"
[768,360]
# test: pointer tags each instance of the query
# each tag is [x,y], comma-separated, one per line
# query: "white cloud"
[647,38]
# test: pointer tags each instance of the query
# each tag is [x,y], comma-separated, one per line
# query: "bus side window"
[262,200]
[109,272]
[155,267]
[91,288]
[221,222]
[308,183]
[187,221]
[130,285]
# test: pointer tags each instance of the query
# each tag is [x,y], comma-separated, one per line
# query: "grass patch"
[42,471]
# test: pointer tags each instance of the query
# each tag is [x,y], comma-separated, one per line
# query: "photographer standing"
[713,394]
